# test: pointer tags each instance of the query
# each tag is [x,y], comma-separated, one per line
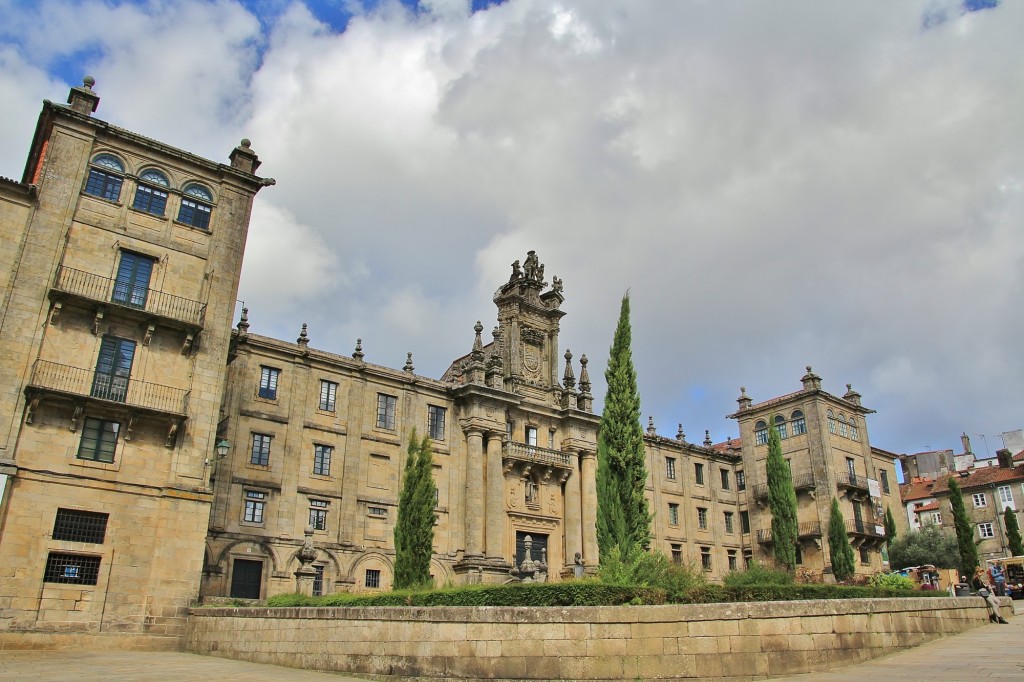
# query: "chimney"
[966,440]
[83,99]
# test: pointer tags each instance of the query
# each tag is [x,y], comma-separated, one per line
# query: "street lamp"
[221,448]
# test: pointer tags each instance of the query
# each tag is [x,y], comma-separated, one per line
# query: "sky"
[776,185]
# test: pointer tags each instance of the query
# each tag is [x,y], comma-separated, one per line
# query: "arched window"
[760,432]
[151,192]
[196,206]
[853,429]
[105,177]
[780,426]
[842,427]
[831,421]
[799,423]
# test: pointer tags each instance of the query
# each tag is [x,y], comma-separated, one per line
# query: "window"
[865,556]
[741,481]
[725,479]
[322,459]
[799,423]
[328,395]
[195,207]
[318,581]
[386,411]
[732,559]
[372,577]
[702,518]
[851,468]
[760,433]
[1006,497]
[378,511]
[744,522]
[71,569]
[979,500]
[99,440]
[531,435]
[268,382]
[831,421]
[853,429]
[105,177]
[705,558]
[780,426]
[435,421]
[260,454]
[677,554]
[131,288]
[255,503]
[730,527]
[842,427]
[673,514]
[318,514]
[748,558]
[670,468]
[937,518]
[799,554]
[884,481]
[151,193]
[113,369]
[698,473]
[80,526]
[985,530]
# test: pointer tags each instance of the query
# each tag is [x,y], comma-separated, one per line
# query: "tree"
[964,532]
[930,545]
[414,528]
[1012,532]
[890,528]
[623,519]
[782,502]
[839,544]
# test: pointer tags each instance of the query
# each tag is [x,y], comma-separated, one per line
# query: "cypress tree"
[839,544]
[1012,532]
[782,502]
[623,519]
[964,532]
[890,528]
[414,528]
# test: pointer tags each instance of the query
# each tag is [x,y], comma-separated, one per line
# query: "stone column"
[588,494]
[495,499]
[573,513]
[474,493]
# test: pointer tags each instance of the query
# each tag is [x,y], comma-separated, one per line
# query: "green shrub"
[757,574]
[708,594]
[892,580]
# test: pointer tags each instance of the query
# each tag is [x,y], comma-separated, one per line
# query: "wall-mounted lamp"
[221,449]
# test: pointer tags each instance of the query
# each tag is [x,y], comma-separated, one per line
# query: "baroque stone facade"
[119,261]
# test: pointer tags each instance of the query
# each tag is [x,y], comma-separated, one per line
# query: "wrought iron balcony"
[852,481]
[141,301]
[864,529]
[521,452]
[807,529]
[74,382]
[800,482]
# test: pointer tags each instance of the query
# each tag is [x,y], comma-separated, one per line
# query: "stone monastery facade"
[151,454]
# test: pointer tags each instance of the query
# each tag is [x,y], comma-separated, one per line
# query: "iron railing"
[531,453]
[108,290]
[800,482]
[854,481]
[857,527]
[85,382]
[807,529]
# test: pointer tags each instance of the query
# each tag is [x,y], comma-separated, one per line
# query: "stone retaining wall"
[724,641]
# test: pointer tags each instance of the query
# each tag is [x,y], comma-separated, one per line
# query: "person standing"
[998,579]
[985,592]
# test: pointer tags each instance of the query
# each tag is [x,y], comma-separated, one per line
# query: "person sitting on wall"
[985,592]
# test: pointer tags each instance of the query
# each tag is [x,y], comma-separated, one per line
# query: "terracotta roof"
[727,446]
[930,506]
[917,489]
[977,478]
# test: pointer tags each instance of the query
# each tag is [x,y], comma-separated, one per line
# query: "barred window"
[378,511]
[71,569]
[318,580]
[260,454]
[80,526]
[435,422]
[372,577]
[322,459]
[386,405]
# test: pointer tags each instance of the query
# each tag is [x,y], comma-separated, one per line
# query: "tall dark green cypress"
[964,531]
[782,502]
[623,519]
[1012,532]
[414,528]
[839,548]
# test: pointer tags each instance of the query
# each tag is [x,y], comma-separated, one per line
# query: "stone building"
[119,264]
[825,440]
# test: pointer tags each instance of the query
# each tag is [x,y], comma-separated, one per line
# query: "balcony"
[531,454]
[52,379]
[800,482]
[863,529]
[852,481]
[805,530]
[134,302]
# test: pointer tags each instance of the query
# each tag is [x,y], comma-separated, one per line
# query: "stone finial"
[650,426]
[568,379]
[680,436]
[82,99]
[584,374]
[478,345]
[303,339]
[308,552]
[358,353]
[811,381]
[408,364]
[243,158]
[744,400]
[851,395]
[707,438]
[243,322]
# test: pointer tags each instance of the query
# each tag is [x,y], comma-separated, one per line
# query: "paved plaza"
[991,652]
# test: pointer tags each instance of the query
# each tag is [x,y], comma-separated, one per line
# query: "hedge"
[714,594]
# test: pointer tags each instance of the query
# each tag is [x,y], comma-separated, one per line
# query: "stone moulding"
[740,641]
